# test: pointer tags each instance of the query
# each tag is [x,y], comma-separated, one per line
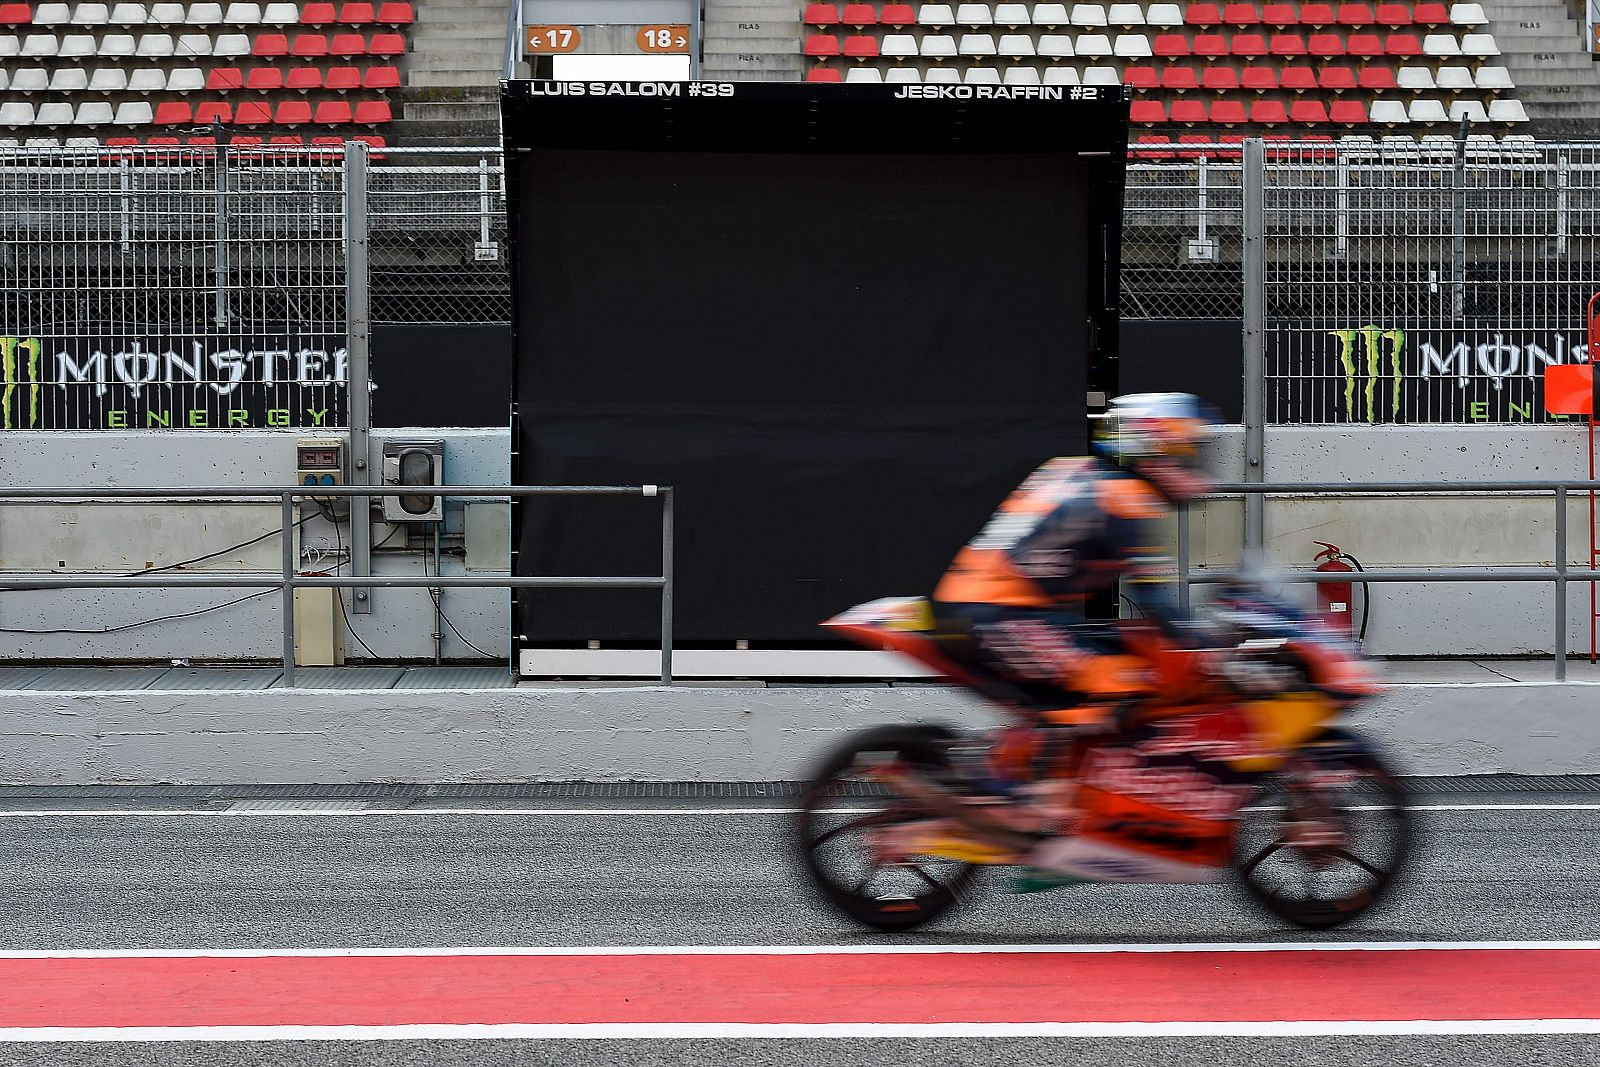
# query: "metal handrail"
[1559,574]
[290,579]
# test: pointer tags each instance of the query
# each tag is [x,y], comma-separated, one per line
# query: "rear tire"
[833,846]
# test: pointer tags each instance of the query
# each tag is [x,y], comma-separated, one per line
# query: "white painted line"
[896,949]
[355,813]
[592,1031]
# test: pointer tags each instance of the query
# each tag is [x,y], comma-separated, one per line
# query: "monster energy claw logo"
[1372,343]
[10,349]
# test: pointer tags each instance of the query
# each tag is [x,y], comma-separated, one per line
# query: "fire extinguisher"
[1333,597]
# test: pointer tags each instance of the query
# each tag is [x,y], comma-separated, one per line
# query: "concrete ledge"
[651,733]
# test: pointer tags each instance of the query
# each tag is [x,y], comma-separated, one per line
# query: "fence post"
[289,569]
[1255,335]
[666,588]
[1561,583]
[1183,558]
[1458,228]
[358,324]
[220,263]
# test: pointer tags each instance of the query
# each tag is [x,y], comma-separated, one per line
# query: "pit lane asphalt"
[294,881]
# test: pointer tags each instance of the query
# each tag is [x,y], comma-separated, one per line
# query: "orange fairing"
[1330,669]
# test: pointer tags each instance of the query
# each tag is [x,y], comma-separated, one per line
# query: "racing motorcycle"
[1252,779]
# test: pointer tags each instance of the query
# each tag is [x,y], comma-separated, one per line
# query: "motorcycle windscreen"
[840,362]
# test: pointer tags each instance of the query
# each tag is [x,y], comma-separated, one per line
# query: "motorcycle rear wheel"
[834,849]
[1371,811]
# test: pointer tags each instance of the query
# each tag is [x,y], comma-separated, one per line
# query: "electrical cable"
[439,607]
[142,622]
[1366,597]
[212,555]
[338,591]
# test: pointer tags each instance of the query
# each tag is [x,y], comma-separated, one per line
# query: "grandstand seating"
[1288,69]
[134,73]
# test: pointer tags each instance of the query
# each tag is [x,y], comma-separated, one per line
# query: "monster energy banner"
[172,382]
[1375,372]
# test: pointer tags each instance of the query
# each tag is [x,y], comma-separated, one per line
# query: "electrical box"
[318,628]
[413,463]
[320,461]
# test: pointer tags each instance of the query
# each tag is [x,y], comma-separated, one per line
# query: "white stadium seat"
[108,80]
[9,142]
[1468,15]
[1132,46]
[42,142]
[243,15]
[982,76]
[1471,110]
[1414,79]
[203,15]
[1102,76]
[56,113]
[134,113]
[1166,16]
[52,14]
[1056,46]
[898,46]
[155,46]
[1441,44]
[166,14]
[147,80]
[1454,79]
[77,46]
[1015,45]
[1091,15]
[93,114]
[69,80]
[902,76]
[186,80]
[118,45]
[927,15]
[973,15]
[1012,15]
[40,45]
[1507,111]
[5,79]
[1479,45]
[16,114]
[1125,15]
[30,80]
[939,46]
[10,45]
[193,44]
[232,44]
[1093,46]
[1061,76]
[942,76]
[81,142]
[1388,113]
[977,44]
[91,15]
[1021,76]
[863,74]
[281,14]
[1051,15]
[129,15]
[1427,111]
[1494,78]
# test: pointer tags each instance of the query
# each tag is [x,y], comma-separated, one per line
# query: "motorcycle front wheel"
[1324,840]
[842,806]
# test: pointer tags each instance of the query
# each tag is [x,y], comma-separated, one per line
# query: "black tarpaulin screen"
[841,360]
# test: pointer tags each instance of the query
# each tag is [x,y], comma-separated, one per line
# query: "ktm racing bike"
[1254,780]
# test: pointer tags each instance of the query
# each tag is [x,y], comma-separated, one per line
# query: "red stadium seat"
[1336,79]
[381,78]
[386,44]
[1377,79]
[1195,145]
[1142,78]
[1268,113]
[861,46]
[1188,111]
[304,79]
[859,15]
[396,15]
[373,112]
[245,140]
[1248,45]
[1220,79]
[310,45]
[1259,79]
[1241,15]
[264,79]
[1202,15]
[1364,45]
[270,45]
[1312,112]
[1430,15]
[345,45]
[327,142]
[1316,15]
[1179,79]
[1147,113]
[1288,45]
[285,140]
[174,113]
[16,14]
[1160,149]
[342,79]
[1228,112]
[357,15]
[1348,112]
[821,15]
[898,15]
[822,46]
[293,113]
[1325,45]
[334,113]
[1402,46]
[212,113]
[1170,45]
[317,15]
[824,74]
[1279,15]
[1210,45]
[201,141]
[1298,79]
[121,142]
[224,79]
[1356,15]
[372,140]
[252,113]
[1393,15]
[162,142]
